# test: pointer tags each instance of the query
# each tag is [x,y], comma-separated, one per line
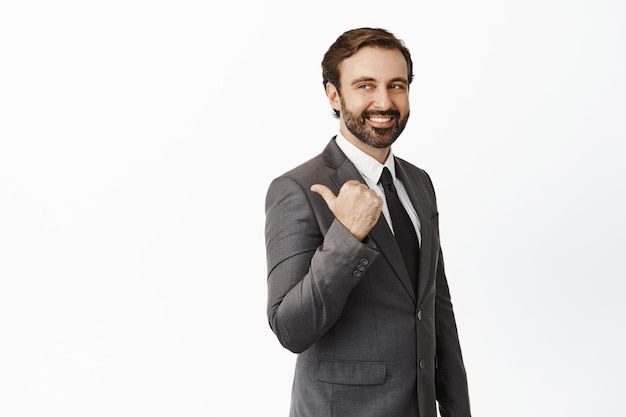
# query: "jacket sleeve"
[310,272]
[450,376]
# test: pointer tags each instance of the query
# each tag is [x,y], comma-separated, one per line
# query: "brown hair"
[350,42]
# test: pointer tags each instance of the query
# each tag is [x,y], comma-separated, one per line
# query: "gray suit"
[367,344]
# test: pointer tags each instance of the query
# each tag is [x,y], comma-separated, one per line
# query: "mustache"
[370,113]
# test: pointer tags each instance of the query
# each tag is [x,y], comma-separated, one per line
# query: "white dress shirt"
[370,169]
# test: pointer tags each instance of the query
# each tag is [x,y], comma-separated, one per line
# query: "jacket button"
[422,364]
[419,315]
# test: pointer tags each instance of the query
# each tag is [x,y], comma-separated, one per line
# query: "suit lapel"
[381,233]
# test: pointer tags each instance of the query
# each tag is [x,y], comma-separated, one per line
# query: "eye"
[396,87]
[364,86]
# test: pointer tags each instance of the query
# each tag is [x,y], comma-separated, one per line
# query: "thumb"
[325,192]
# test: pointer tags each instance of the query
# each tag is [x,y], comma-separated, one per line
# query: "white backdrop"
[137,140]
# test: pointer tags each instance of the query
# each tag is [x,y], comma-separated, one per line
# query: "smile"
[380,119]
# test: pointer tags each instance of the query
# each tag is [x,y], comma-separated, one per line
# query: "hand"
[357,207]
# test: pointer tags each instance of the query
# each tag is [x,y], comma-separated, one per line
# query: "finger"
[352,185]
[325,192]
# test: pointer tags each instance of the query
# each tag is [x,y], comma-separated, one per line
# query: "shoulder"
[415,174]
[317,169]
[306,171]
[298,180]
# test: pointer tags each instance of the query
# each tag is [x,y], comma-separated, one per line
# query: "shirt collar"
[365,164]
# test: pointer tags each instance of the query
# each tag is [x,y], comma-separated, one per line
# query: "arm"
[450,377]
[310,274]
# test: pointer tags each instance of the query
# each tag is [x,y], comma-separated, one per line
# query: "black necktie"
[402,226]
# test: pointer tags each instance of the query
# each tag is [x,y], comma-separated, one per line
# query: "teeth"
[380,119]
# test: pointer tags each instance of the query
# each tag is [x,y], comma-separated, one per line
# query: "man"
[361,296]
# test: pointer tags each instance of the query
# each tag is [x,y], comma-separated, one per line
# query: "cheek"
[403,106]
[359,106]
[355,101]
[402,102]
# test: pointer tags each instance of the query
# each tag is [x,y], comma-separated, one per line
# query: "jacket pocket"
[351,373]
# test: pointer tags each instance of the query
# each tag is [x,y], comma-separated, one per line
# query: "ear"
[333,96]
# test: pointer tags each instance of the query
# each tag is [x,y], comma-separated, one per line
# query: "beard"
[375,137]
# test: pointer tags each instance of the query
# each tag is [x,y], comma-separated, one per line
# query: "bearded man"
[356,280]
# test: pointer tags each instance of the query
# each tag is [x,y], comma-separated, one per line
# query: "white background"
[137,142]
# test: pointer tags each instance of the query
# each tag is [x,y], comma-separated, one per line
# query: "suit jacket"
[367,344]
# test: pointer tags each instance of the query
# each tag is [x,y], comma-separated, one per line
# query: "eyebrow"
[370,79]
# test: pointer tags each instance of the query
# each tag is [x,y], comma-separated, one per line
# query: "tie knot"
[386,179]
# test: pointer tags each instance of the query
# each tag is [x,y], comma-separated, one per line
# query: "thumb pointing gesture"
[356,206]
[326,194]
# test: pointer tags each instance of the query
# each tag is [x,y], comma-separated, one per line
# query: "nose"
[382,99]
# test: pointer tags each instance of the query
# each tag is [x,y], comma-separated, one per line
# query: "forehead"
[375,63]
